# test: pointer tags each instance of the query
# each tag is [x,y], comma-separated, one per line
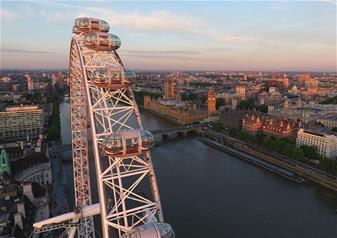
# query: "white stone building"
[329,122]
[326,144]
[21,122]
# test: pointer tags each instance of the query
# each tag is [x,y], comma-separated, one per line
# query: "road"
[302,169]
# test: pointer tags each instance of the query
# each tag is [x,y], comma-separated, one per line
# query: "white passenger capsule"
[86,24]
[113,77]
[151,230]
[102,41]
[128,142]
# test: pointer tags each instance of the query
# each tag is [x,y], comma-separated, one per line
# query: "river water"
[206,193]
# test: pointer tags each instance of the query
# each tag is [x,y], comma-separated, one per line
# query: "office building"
[326,144]
[24,122]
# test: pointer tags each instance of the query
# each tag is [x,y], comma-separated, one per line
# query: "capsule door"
[132,143]
[94,25]
[108,77]
[114,145]
[103,42]
[147,139]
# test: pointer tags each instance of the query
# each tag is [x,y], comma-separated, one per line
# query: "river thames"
[206,193]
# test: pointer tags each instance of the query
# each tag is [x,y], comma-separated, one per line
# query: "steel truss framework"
[127,186]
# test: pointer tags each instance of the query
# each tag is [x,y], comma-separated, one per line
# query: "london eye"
[100,93]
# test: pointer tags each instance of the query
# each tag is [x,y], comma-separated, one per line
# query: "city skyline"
[283,36]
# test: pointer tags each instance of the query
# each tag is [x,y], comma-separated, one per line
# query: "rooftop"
[21,108]
[319,132]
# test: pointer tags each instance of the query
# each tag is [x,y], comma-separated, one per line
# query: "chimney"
[18,220]
[21,208]
[28,191]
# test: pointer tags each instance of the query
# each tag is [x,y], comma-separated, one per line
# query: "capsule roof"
[87,24]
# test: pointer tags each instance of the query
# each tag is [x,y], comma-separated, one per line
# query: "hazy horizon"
[176,70]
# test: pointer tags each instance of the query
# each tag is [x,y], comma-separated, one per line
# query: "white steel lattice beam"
[127,186]
[80,154]
[120,181]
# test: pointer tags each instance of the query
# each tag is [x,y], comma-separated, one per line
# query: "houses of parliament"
[180,112]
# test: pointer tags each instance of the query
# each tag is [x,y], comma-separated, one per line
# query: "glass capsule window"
[75,29]
[116,76]
[92,24]
[91,38]
[101,74]
[107,75]
[83,22]
[103,40]
[131,144]
[132,235]
[129,74]
[113,144]
[165,230]
[147,139]
[153,230]
[115,40]
[104,26]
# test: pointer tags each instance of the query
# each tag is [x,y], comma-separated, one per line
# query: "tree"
[219,102]
[260,137]
[247,104]
[189,97]
[328,165]
[332,100]
[262,108]
[139,96]
[297,154]
[54,129]
[217,126]
[233,132]
[334,129]
[245,136]
[310,152]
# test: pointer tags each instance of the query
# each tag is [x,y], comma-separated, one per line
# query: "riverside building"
[21,123]
[329,121]
[326,144]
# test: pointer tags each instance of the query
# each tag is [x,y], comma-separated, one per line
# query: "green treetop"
[4,163]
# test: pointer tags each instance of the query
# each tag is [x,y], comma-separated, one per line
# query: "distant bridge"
[167,133]
[174,131]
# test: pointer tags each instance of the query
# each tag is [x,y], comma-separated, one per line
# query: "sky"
[175,35]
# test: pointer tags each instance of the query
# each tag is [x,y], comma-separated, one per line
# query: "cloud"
[21,51]
[334,2]
[163,21]
[162,52]
[222,37]
[27,11]
[7,14]
[163,57]
[55,16]
[155,21]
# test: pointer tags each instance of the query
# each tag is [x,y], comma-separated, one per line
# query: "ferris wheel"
[100,93]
